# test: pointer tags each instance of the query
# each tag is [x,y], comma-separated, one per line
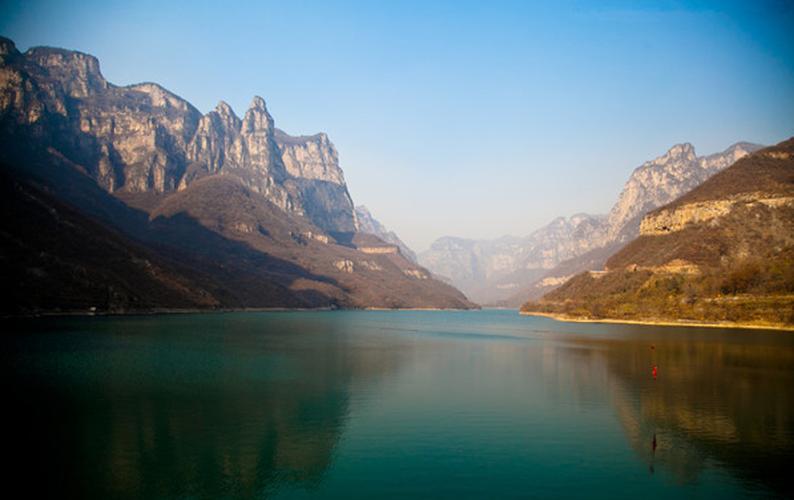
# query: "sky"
[472,119]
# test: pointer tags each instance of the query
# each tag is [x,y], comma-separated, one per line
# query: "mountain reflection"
[715,400]
[241,418]
[413,404]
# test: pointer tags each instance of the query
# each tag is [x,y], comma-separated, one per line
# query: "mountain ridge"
[585,243]
[146,165]
[721,253]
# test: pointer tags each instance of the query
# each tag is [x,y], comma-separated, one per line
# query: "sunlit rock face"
[310,157]
[512,269]
[174,208]
[660,181]
[142,138]
[312,164]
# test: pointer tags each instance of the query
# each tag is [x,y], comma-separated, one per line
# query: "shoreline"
[166,311]
[732,325]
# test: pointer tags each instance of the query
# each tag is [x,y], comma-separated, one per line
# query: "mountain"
[55,258]
[664,179]
[368,224]
[204,211]
[723,252]
[509,270]
[491,270]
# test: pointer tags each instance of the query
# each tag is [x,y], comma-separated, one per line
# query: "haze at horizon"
[457,118]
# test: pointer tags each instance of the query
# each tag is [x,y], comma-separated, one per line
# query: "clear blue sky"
[474,119]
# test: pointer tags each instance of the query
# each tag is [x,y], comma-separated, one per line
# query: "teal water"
[382,404]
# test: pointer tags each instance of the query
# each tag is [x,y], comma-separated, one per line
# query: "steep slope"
[664,179]
[724,252]
[650,185]
[369,224]
[362,272]
[144,139]
[54,258]
[252,216]
[313,164]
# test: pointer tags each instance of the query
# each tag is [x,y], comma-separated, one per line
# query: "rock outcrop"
[508,270]
[666,221]
[723,252]
[313,165]
[664,179]
[235,212]
[143,138]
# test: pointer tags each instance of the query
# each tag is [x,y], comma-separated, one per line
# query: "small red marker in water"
[655,371]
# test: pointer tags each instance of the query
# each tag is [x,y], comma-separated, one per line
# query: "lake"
[394,404]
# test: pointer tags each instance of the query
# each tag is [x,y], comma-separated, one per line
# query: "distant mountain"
[509,270]
[491,270]
[229,211]
[723,252]
[368,224]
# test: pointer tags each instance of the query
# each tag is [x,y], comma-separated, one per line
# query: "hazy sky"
[473,119]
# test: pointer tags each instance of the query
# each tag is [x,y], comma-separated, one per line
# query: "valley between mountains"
[123,199]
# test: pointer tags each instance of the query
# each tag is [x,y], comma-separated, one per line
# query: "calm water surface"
[482,404]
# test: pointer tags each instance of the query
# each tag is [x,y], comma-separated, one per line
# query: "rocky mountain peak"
[78,71]
[659,181]
[684,151]
[144,138]
[491,270]
[310,157]
[581,217]
[7,47]
[258,102]
[225,110]
[746,147]
[720,161]
[160,97]
[257,118]
[225,120]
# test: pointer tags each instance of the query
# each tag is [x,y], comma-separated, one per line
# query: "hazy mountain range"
[723,251]
[148,203]
[508,270]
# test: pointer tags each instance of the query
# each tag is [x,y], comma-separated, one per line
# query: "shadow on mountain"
[87,249]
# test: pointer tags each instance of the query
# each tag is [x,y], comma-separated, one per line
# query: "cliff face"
[313,165]
[664,179]
[228,212]
[666,221]
[721,252]
[143,138]
[509,270]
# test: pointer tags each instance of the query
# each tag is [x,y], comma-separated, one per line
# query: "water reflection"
[479,404]
[689,400]
[212,411]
